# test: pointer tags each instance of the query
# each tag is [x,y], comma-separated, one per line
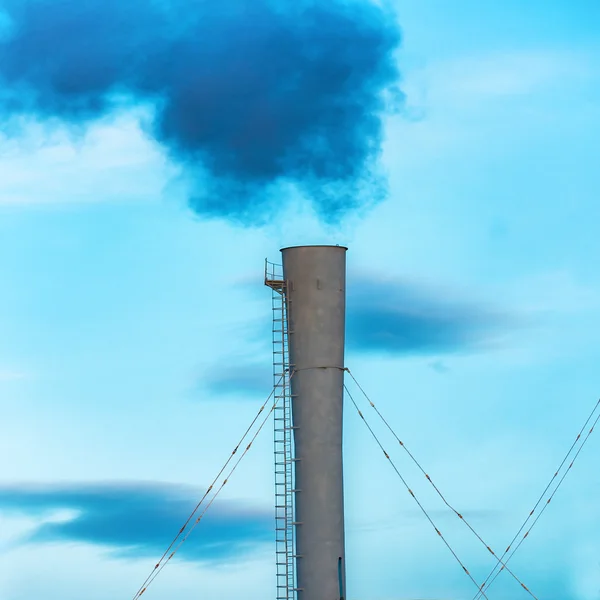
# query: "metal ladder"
[283,438]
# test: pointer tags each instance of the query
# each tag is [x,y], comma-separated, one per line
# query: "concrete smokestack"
[316,294]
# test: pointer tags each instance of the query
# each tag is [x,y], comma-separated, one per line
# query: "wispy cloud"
[438,366]
[397,317]
[242,379]
[136,519]
[8,375]
[37,162]
[404,518]
[515,73]
[389,316]
[508,74]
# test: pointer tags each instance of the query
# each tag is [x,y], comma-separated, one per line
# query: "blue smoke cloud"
[139,519]
[248,94]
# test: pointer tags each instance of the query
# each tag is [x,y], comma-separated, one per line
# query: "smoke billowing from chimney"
[249,95]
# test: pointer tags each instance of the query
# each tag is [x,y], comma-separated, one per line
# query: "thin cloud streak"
[134,519]
[249,379]
[390,317]
[8,375]
[398,318]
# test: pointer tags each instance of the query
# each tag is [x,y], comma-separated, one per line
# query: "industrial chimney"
[315,292]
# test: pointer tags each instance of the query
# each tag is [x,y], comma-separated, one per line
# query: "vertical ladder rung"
[284,484]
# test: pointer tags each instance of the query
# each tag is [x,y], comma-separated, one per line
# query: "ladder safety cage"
[283,437]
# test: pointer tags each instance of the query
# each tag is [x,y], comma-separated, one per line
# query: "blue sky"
[134,335]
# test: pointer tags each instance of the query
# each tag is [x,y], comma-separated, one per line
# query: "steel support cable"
[439,493]
[163,560]
[197,521]
[541,498]
[423,510]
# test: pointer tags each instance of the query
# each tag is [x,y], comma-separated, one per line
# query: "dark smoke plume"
[249,96]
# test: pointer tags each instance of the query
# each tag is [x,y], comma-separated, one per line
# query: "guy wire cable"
[439,493]
[156,573]
[499,560]
[410,491]
[159,565]
[543,494]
